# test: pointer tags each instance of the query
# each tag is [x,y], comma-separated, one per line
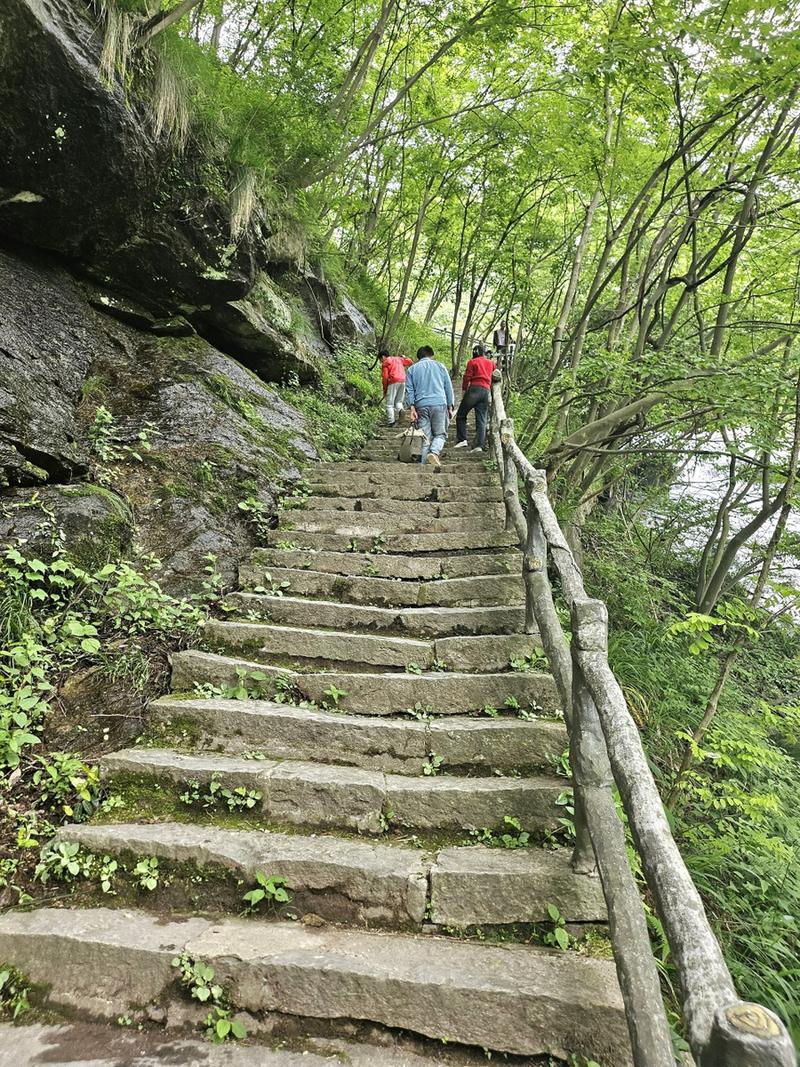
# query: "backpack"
[411,442]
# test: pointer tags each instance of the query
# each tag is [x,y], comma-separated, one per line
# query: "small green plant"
[535,661]
[271,890]
[413,668]
[515,836]
[197,977]
[68,785]
[60,861]
[104,438]
[439,665]
[213,794]
[258,516]
[272,587]
[287,546]
[421,712]
[335,694]
[385,820]
[146,873]
[558,936]
[512,704]
[378,544]
[352,545]
[14,993]
[433,764]
[490,710]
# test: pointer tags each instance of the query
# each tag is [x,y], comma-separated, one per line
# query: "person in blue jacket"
[429,395]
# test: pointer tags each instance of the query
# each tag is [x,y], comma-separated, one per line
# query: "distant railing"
[606,750]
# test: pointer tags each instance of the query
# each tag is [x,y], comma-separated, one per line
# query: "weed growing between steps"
[61,626]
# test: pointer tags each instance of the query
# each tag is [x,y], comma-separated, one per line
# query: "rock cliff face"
[123,288]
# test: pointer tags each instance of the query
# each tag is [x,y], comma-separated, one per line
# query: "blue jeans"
[478,398]
[433,423]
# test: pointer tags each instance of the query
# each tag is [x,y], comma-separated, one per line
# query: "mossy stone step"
[341,879]
[350,798]
[428,488]
[386,592]
[364,883]
[513,999]
[445,692]
[355,539]
[373,524]
[388,565]
[266,641]
[385,507]
[398,746]
[413,622]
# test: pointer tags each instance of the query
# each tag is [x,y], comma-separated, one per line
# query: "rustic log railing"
[606,751]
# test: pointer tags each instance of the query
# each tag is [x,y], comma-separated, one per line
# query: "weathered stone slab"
[444,802]
[341,879]
[378,565]
[407,473]
[282,731]
[329,645]
[368,524]
[178,767]
[470,886]
[385,592]
[506,998]
[295,792]
[421,622]
[425,490]
[502,743]
[315,794]
[383,565]
[350,539]
[379,694]
[484,652]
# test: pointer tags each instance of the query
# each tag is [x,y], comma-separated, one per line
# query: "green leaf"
[562,937]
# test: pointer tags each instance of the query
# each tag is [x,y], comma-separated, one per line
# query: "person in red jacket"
[393,375]
[475,389]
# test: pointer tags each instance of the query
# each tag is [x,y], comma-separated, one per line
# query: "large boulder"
[47,344]
[215,434]
[83,172]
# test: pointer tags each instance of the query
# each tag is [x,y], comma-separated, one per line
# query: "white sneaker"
[474,449]
[433,460]
[461,444]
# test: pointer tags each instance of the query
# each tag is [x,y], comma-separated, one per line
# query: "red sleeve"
[385,374]
[468,374]
[407,362]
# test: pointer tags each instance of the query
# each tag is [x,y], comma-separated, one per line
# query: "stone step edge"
[506,998]
[455,886]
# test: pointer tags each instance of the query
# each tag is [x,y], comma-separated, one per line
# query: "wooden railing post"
[651,1041]
[515,517]
[722,1031]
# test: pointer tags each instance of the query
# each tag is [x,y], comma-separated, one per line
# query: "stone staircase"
[385,734]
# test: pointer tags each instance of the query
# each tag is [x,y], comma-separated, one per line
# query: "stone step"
[413,475]
[82,1044]
[432,487]
[419,622]
[342,880]
[328,645]
[386,592]
[384,507]
[259,640]
[461,458]
[352,539]
[351,798]
[397,746]
[508,998]
[361,883]
[445,692]
[373,524]
[385,565]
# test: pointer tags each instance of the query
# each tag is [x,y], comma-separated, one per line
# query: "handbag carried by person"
[411,442]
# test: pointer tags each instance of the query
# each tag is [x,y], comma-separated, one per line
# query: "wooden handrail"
[606,750]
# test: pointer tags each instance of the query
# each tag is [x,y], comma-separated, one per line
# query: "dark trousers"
[478,398]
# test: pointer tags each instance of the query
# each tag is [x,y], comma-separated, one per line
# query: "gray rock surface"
[511,998]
